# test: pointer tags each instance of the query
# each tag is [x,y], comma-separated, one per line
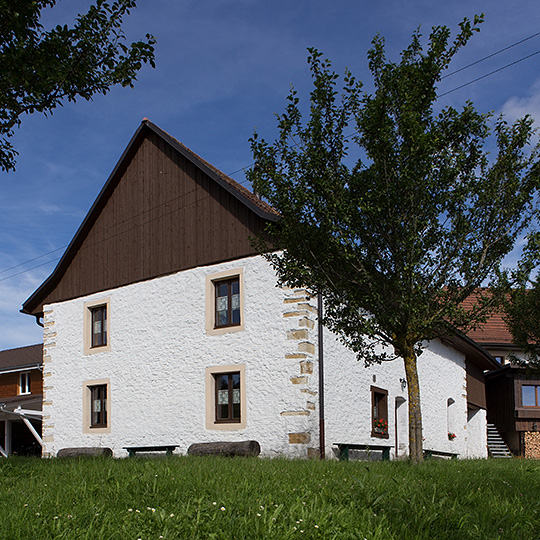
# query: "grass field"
[213,498]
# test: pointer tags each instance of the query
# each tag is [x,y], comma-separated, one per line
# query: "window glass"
[228,303]
[99,326]
[24,383]
[98,405]
[528,396]
[227,397]
[379,403]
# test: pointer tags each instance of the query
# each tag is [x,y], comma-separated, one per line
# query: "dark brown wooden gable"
[162,214]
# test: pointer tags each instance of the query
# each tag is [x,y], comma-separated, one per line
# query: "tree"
[42,69]
[395,241]
[521,307]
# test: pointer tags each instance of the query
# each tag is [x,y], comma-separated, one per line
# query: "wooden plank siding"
[500,401]
[476,389]
[162,214]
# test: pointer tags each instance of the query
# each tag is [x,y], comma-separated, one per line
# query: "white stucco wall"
[159,352]
[348,399]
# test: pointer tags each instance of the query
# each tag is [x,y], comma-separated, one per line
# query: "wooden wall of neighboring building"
[9,384]
[476,390]
[164,215]
[500,402]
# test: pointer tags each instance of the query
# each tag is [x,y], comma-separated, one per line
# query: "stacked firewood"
[532,444]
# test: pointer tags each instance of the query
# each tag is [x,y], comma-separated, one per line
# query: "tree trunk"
[415,413]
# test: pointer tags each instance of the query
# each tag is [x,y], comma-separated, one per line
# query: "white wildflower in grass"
[261,507]
[172,515]
[223,509]
[258,514]
[130,509]
[316,526]
[294,528]
[214,503]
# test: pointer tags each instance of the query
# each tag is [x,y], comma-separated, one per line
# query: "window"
[379,412]
[24,383]
[225,302]
[96,326]
[99,326]
[530,395]
[226,397]
[98,406]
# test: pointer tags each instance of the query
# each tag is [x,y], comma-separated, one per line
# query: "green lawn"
[255,498]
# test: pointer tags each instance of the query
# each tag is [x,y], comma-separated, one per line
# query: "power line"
[491,55]
[490,73]
[248,166]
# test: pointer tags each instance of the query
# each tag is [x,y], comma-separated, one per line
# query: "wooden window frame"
[536,396]
[375,391]
[99,314]
[229,282]
[24,383]
[230,392]
[103,400]
[87,421]
[88,328]
[211,293]
[211,420]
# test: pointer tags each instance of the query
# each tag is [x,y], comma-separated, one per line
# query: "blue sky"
[224,68]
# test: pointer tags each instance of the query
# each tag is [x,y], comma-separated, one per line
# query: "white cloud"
[518,107]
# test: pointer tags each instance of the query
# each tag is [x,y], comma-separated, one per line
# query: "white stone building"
[162,326]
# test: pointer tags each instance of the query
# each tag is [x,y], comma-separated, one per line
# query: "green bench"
[168,448]
[429,454]
[344,448]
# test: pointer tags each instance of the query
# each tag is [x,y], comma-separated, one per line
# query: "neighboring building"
[513,396]
[164,326]
[21,389]
[495,337]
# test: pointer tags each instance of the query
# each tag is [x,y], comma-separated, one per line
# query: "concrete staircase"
[497,448]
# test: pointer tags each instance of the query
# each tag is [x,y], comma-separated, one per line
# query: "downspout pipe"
[322,453]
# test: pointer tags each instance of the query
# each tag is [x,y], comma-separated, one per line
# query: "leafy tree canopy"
[395,242]
[41,69]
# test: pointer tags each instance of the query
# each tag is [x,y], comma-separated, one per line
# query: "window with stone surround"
[96,406]
[379,413]
[225,302]
[226,397]
[96,322]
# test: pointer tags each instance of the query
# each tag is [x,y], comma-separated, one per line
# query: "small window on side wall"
[96,395]
[379,412]
[96,329]
[24,383]
[227,397]
[99,326]
[98,406]
[225,302]
[226,402]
